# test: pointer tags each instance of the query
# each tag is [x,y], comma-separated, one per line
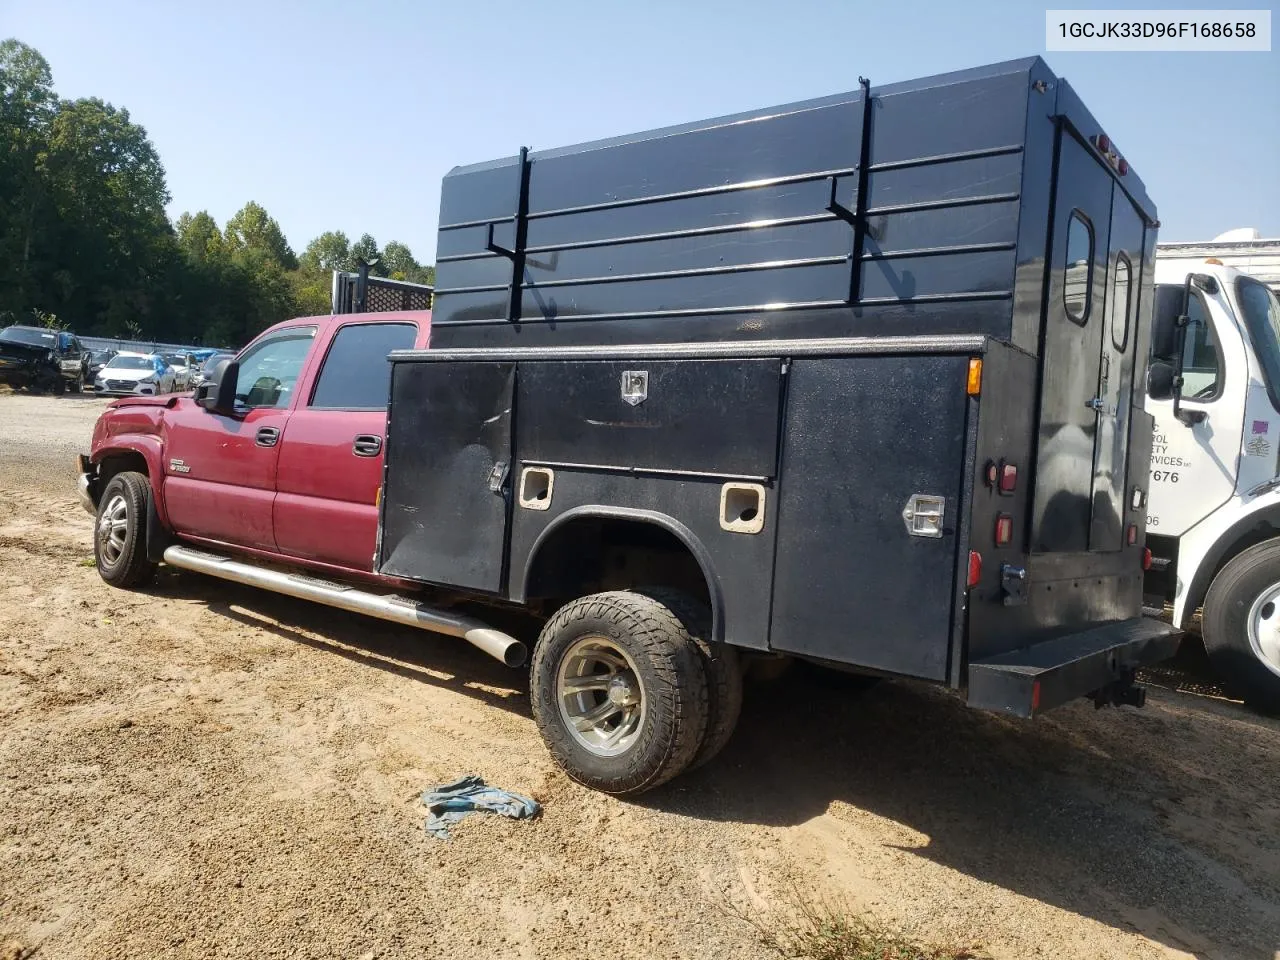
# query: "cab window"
[269,370]
[1201,363]
[356,374]
[1077,281]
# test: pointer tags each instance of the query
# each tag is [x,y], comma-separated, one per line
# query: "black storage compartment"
[717,417]
[886,210]
[850,584]
[444,514]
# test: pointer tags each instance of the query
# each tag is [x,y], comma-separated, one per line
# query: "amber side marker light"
[973,386]
[1004,529]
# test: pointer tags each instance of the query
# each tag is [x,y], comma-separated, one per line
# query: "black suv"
[41,359]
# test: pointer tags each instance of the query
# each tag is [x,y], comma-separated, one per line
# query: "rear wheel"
[721,664]
[120,533]
[619,692]
[1242,624]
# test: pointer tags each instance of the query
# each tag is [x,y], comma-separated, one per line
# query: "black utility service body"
[815,363]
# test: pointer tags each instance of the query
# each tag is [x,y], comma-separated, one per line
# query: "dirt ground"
[203,770]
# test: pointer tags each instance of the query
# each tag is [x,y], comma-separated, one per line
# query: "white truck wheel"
[1242,624]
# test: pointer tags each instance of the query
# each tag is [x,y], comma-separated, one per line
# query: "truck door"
[331,453]
[220,471]
[1113,401]
[1195,466]
[1071,356]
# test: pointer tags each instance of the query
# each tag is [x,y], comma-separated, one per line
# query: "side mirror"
[218,393]
[1161,380]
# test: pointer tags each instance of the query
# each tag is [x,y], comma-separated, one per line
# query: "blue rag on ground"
[450,802]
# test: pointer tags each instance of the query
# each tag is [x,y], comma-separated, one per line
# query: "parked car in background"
[135,374]
[183,366]
[205,372]
[97,360]
[41,359]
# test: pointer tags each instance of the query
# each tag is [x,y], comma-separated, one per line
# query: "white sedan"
[134,374]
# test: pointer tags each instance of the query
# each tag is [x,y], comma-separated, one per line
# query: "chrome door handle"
[367,445]
[267,436]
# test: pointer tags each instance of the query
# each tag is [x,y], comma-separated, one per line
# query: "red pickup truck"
[291,474]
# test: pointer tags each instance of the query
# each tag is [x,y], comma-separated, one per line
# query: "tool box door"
[445,487]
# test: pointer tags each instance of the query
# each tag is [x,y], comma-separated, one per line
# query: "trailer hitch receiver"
[1121,691]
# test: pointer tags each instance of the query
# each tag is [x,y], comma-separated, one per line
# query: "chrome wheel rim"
[1264,628]
[600,695]
[113,527]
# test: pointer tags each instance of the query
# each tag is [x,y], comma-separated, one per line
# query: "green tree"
[27,106]
[327,252]
[109,237]
[253,229]
[366,249]
[199,237]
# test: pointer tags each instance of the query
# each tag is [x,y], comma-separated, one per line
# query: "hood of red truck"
[168,400]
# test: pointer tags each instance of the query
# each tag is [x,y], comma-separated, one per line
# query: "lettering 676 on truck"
[856,380]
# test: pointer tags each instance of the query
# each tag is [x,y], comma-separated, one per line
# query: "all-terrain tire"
[672,683]
[120,531]
[721,663]
[1228,608]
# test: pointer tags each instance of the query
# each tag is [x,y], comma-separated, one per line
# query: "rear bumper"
[1045,675]
[86,484]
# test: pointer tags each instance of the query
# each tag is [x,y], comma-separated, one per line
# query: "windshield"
[213,361]
[175,359]
[1261,312]
[131,363]
[37,338]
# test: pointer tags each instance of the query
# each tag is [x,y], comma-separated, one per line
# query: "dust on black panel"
[445,511]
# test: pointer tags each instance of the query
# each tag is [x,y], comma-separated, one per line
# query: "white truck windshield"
[1261,312]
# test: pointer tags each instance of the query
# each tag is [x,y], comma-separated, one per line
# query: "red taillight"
[1035,696]
[1104,143]
[1008,477]
[1123,166]
[975,567]
[1146,558]
[1004,529]
[1132,535]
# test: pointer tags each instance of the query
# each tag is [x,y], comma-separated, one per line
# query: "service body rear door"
[1075,321]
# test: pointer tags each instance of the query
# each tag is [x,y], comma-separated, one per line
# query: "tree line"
[85,241]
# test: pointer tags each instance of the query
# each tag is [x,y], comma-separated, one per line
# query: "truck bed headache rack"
[354,294]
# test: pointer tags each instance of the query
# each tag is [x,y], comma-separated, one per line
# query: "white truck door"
[1194,468]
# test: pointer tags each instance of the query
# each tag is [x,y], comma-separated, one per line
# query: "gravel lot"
[204,770]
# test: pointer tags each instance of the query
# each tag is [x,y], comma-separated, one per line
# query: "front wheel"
[619,692]
[120,533]
[1242,624]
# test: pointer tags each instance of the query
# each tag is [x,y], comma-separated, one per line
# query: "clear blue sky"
[346,115]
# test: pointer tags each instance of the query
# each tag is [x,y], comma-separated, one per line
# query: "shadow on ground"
[429,658]
[1069,810]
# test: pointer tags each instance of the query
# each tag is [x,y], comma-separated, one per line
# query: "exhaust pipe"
[396,609]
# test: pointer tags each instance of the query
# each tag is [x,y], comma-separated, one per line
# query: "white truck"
[1213,507]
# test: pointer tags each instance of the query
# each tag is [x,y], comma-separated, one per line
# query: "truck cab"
[288,465]
[1213,516]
